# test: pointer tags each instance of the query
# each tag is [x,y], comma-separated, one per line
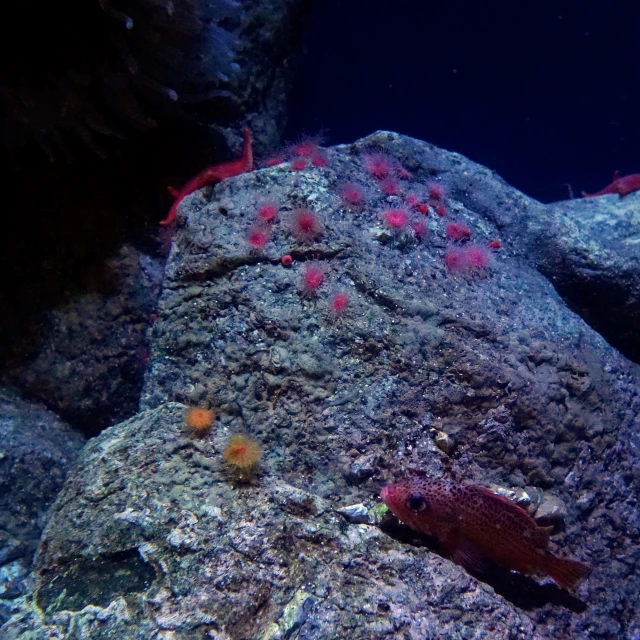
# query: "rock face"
[205,558]
[37,451]
[270,35]
[88,361]
[152,534]
[589,249]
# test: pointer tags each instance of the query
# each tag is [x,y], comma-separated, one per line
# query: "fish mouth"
[384,494]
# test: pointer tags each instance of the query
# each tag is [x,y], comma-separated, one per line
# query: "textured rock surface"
[529,397]
[270,37]
[88,362]
[180,549]
[590,249]
[37,451]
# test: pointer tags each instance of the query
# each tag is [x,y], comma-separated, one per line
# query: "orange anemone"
[242,452]
[199,420]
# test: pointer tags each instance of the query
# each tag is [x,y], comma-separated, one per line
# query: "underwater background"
[545,95]
[319,320]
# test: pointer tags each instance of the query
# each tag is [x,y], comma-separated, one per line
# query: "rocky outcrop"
[588,249]
[480,375]
[38,449]
[88,359]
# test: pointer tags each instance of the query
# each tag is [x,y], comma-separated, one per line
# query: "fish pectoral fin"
[545,533]
[469,557]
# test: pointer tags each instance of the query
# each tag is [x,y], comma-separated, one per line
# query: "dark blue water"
[546,94]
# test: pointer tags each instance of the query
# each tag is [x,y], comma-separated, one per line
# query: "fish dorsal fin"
[546,531]
[508,503]
[616,175]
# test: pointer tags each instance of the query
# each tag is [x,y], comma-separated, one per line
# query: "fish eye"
[416,502]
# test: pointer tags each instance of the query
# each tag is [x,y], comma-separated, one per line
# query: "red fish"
[622,185]
[474,525]
[213,174]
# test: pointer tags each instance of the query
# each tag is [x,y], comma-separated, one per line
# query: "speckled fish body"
[473,524]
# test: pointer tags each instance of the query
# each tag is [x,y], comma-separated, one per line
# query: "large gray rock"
[77,298]
[151,535]
[590,250]
[36,453]
[89,356]
[182,550]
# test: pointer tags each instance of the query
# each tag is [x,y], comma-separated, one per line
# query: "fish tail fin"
[564,571]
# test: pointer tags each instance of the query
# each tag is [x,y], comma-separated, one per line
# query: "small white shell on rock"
[443,441]
[355,513]
[551,508]
[518,495]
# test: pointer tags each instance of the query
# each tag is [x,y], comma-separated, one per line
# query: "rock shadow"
[522,591]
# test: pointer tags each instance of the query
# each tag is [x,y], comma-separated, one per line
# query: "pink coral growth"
[338,305]
[339,302]
[402,173]
[413,200]
[299,164]
[440,209]
[306,146]
[257,237]
[420,230]
[458,231]
[390,186]
[320,158]
[311,280]
[455,259]
[396,219]
[267,212]
[352,194]
[478,256]
[470,258]
[306,151]
[305,226]
[378,164]
[436,191]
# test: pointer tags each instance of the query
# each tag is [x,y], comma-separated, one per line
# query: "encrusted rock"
[357,513]
[444,442]
[518,495]
[38,449]
[363,467]
[351,415]
[551,509]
